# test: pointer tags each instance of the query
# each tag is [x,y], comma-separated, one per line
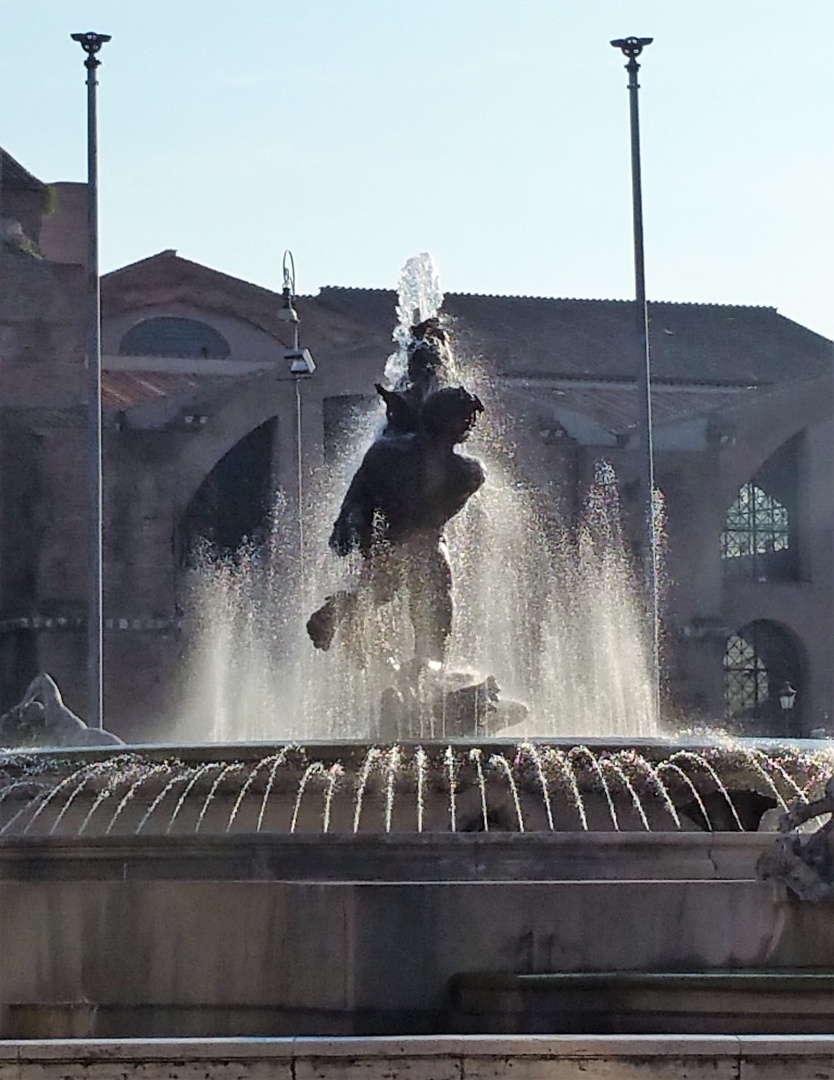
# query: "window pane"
[756,526]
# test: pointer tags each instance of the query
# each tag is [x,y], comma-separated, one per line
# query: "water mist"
[555,617]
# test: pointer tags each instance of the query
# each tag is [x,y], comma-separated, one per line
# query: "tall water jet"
[551,615]
[419,298]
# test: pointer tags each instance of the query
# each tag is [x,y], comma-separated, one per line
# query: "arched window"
[756,526]
[746,685]
[760,660]
[759,537]
[170,336]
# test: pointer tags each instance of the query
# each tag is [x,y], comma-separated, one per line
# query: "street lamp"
[632,47]
[787,697]
[300,360]
[91,43]
[287,312]
[302,366]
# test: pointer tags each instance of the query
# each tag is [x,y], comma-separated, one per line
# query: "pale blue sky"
[493,133]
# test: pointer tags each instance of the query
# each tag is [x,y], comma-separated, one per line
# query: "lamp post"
[91,43]
[302,366]
[632,47]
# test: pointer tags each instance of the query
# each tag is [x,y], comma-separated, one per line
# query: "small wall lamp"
[787,696]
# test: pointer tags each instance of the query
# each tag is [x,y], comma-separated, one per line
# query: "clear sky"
[492,133]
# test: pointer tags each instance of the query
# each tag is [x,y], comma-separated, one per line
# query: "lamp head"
[286,312]
[632,46]
[787,696]
[301,362]
[90,41]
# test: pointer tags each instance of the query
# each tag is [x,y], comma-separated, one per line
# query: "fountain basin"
[400,857]
[338,935]
[193,922]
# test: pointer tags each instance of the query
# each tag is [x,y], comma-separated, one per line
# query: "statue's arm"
[349,526]
[802,812]
[476,474]
[379,488]
[470,478]
[42,686]
[352,528]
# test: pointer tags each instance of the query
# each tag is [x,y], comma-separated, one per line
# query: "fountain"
[532,602]
[378,839]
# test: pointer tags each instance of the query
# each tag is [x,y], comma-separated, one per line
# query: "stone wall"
[42,472]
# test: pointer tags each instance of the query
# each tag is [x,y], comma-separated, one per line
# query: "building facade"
[201,433]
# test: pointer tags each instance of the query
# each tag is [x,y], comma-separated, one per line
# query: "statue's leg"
[430,600]
[382,574]
[378,582]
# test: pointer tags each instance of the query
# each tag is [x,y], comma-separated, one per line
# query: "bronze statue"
[410,483]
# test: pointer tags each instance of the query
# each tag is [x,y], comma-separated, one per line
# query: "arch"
[766,425]
[760,660]
[170,335]
[255,401]
[232,505]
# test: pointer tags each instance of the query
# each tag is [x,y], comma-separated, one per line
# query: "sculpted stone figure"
[410,483]
[42,719]
[804,862]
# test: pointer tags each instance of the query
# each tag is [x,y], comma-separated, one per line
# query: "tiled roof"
[582,354]
[126,389]
[713,344]
[616,407]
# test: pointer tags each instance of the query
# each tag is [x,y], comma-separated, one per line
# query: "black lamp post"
[632,47]
[91,43]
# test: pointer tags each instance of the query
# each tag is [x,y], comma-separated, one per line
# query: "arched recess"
[233,503]
[169,335]
[762,661]
[762,427]
[253,403]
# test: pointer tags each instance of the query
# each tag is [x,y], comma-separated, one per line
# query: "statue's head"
[430,333]
[428,351]
[451,413]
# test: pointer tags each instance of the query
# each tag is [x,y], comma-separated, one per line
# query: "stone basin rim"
[567,838]
[354,748]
